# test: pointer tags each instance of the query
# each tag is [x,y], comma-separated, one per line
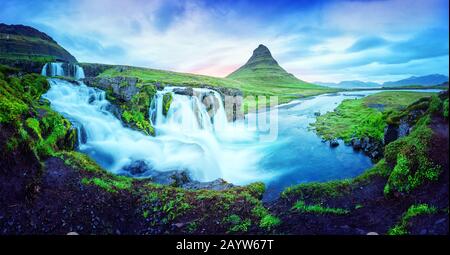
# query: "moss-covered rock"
[167,100]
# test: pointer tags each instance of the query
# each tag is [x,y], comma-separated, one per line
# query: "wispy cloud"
[315,40]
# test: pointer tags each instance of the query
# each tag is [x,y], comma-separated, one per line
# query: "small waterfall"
[63,69]
[204,110]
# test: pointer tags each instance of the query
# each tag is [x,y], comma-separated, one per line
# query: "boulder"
[184,91]
[334,143]
[218,184]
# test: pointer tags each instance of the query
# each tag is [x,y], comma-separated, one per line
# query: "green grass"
[301,207]
[413,211]
[285,90]
[237,225]
[269,222]
[409,155]
[365,117]
[113,184]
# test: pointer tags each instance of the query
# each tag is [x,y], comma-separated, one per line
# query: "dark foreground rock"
[174,178]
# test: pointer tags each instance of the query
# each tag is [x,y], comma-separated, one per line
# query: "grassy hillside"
[28,49]
[365,117]
[262,73]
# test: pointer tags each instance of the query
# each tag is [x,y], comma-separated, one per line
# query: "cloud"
[365,43]
[321,40]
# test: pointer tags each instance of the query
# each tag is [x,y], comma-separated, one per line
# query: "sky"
[328,41]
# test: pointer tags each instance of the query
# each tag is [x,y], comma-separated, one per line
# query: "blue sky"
[376,40]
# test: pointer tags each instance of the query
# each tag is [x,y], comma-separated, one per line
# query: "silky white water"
[186,139]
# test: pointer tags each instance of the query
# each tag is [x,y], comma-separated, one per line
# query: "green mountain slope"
[263,69]
[27,48]
[263,74]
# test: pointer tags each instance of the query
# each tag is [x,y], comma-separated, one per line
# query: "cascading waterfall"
[63,69]
[188,113]
[188,138]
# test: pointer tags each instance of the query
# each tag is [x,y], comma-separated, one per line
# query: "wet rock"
[122,87]
[218,184]
[137,168]
[334,143]
[356,143]
[184,91]
[390,133]
[403,128]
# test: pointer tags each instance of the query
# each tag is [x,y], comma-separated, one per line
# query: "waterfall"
[189,138]
[189,113]
[63,69]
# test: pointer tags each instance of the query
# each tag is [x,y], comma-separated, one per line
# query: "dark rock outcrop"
[373,148]
[175,178]
[93,70]
[334,143]
[122,87]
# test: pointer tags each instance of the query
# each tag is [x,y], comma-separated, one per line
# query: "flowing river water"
[187,138]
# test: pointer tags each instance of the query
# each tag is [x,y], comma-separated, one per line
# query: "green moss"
[192,226]
[169,202]
[269,222]
[135,112]
[167,100]
[237,225]
[415,210]
[34,125]
[55,134]
[138,120]
[80,161]
[413,166]
[301,207]
[112,185]
[445,109]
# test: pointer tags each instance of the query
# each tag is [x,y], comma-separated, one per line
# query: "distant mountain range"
[350,84]
[426,80]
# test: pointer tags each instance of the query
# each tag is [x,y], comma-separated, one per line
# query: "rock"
[403,128]
[372,233]
[179,225]
[440,221]
[72,234]
[122,87]
[356,143]
[334,143]
[390,133]
[218,184]
[211,103]
[374,154]
[443,94]
[317,114]
[184,91]
[137,168]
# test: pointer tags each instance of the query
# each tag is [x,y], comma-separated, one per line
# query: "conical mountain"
[262,69]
